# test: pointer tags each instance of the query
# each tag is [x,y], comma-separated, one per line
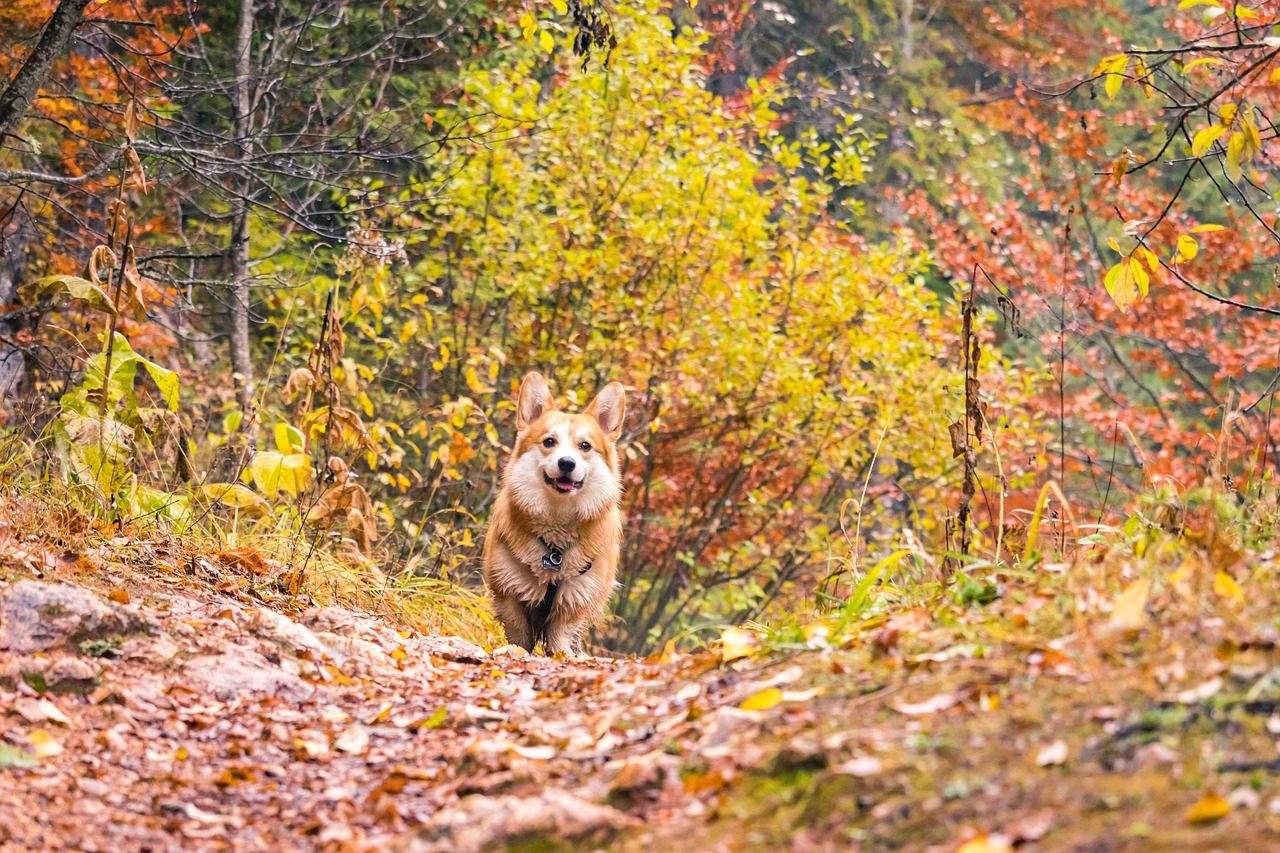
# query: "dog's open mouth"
[564,484]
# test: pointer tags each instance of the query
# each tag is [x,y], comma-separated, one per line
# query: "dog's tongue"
[564,484]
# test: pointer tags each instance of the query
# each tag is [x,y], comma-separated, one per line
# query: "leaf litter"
[218,723]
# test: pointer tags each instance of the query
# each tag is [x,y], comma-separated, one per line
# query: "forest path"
[168,710]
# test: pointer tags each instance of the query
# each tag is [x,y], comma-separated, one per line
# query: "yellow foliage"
[633,226]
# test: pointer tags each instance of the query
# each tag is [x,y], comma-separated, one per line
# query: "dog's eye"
[584,446]
[548,442]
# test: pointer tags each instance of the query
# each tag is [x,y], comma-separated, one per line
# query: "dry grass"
[260,560]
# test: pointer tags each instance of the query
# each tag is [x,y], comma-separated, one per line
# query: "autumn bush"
[631,225]
[791,384]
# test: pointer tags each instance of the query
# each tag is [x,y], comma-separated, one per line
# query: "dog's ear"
[534,400]
[609,408]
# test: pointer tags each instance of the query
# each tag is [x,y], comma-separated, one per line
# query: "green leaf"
[11,756]
[234,495]
[288,438]
[99,449]
[166,380]
[80,289]
[274,472]
[124,366]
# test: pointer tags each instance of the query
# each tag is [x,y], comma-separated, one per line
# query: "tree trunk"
[908,30]
[17,96]
[13,262]
[241,356]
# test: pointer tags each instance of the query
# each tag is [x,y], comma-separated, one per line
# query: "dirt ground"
[143,707]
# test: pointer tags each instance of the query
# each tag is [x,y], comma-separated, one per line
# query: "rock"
[724,729]
[35,617]
[338,620]
[157,649]
[652,770]
[344,650]
[284,632]
[479,823]
[71,675]
[238,671]
[455,649]
[59,674]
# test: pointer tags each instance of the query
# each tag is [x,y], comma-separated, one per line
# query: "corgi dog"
[555,533]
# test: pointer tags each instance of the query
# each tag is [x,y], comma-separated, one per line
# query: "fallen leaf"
[1198,694]
[985,844]
[430,722]
[1053,754]
[1032,827]
[13,757]
[334,714]
[119,596]
[965,651]
[354,740]
[382,716]
[198,814]
[862,766]
[311,743]
[39,710]
[1225,586]
[736,643]
[43,744]
[763,700]
[394,783]
[667,655]
[941,702]
[1130,610]
[1244,797]
[1210,808]
[537,753]
[234,776]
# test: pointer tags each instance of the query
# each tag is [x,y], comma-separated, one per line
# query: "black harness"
[551,561]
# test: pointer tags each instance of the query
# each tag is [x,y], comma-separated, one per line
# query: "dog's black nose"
[567,464]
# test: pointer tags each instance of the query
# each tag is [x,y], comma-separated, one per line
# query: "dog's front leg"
[564,637]
[514,616]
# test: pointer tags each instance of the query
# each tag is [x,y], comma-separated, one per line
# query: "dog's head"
[563,463]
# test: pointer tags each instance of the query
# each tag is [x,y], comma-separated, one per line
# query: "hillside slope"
[145,706]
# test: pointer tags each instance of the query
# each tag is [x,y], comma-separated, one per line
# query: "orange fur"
[536,511]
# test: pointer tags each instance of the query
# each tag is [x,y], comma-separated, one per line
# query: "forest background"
[874,275]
